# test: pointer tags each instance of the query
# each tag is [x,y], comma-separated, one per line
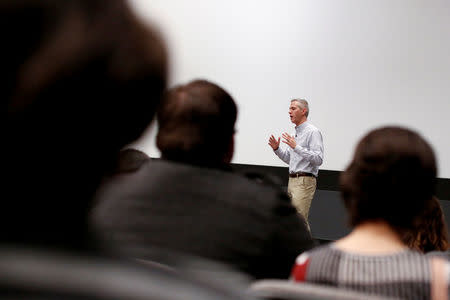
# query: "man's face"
[296,113]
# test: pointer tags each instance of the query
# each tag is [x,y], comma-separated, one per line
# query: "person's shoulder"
[303,260]
[311,127]
[260,178]
[126,182]
[320,250]
[319,253]
[158,166]
[443,254]
[262,187]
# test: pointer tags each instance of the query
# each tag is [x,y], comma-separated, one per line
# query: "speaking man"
[304,154]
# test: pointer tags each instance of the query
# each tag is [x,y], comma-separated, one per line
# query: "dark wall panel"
[328,218]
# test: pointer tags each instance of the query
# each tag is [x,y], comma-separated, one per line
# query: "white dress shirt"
[308,154]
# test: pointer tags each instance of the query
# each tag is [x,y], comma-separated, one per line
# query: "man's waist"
[299,174]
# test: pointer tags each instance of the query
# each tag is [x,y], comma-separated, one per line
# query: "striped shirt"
[403,275]
[308,154]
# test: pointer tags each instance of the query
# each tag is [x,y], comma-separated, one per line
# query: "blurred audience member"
[80,80]
[191,201]
[387,185]
[430,231]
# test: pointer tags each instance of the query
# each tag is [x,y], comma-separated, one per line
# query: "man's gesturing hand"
[274,143]
[290,140]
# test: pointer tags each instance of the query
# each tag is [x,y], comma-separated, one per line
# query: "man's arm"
[283,154]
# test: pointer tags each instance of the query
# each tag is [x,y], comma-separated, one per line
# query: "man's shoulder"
[262,187]
[311,127]
[260,178]
[158,177]
[225,177]
[158,167]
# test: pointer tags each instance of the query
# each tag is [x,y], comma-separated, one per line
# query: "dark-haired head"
[196,124]
[80,79]
[391,178]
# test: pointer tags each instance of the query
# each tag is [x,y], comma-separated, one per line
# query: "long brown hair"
[430,232]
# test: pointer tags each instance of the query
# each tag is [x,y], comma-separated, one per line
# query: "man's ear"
[230,151]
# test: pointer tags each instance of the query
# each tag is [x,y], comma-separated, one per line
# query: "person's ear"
[230,151]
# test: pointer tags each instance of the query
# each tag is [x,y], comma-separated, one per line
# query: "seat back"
[33,274]
[288,290]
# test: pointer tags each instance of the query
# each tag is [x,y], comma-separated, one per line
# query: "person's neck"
[374,237]
[212,163]
[301,122]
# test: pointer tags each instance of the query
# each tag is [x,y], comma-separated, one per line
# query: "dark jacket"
[246,223]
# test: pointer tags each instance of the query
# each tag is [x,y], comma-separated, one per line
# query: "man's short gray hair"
[302,103]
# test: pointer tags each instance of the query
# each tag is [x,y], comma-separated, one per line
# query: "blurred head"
[80,79]
[430,230]
[196,124]
[391,178]
[298,111]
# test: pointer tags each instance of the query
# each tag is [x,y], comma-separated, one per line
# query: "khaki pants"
[301,191]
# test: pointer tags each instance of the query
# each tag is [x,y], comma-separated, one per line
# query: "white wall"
[360,63]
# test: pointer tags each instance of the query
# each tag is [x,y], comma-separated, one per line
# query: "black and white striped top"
[404,275]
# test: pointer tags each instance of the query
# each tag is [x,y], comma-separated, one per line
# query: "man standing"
[304,156]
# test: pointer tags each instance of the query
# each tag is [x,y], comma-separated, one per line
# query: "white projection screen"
[360,63]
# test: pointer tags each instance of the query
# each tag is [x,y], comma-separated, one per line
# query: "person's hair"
[80,79]
[302,104]
[391,178]
[196,123]
[429,233]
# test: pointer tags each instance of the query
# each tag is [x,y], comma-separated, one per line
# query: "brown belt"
[298,174]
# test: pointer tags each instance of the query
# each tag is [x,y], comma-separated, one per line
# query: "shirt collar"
[301,126]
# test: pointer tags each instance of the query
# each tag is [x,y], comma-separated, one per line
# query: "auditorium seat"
[287,290]
[38,274]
